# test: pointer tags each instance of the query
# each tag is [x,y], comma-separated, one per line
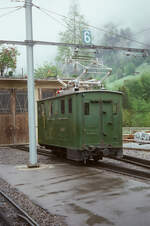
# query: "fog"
[123,13]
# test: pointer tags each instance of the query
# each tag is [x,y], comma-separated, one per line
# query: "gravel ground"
[137,153]
[137,145]
[41,216]
[9,214]
[17,157]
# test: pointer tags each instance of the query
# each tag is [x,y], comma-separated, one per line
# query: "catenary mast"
[31,98]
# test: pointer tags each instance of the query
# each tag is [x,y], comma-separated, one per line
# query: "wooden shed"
[14,106]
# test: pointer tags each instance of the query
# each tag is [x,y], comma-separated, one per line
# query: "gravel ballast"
[41,216]
[137,153]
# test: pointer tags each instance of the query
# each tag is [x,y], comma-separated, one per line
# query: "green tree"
[126,100]
[129,68]
[8,58]
[127,120]
[136,101]
[134,87]
[47,70]
[75,24]
[145,81]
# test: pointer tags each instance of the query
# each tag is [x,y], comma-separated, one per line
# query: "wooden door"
[6,117]
[21,116]
[13,116]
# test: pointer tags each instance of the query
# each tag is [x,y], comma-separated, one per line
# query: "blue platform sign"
[86,37]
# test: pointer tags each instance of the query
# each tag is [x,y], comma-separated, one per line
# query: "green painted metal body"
[95,121]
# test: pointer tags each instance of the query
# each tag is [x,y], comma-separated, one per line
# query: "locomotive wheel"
[97,158]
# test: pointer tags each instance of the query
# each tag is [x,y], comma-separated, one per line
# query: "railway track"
[136,149]
[11,212]
[134,173]
[40,151]
[134,161]
[145,164]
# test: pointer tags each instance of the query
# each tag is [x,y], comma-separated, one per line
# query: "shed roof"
[49,82]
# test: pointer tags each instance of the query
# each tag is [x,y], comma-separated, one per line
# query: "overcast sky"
[124,13]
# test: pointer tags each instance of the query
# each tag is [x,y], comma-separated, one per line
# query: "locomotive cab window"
[39,109]
[115,108]
[86,108]
[42,110]
[51,108]
[49,113]
[70,105]
[62,106]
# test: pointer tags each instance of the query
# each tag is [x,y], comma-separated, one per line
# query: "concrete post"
[31,98]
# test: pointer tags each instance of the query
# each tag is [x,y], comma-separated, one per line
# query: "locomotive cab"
[102,126]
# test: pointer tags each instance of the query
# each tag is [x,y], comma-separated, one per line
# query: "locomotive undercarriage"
[93,153]
[88,153]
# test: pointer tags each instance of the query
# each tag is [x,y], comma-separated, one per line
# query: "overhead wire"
[42,10]
[10,12]
[58,14]
[9,7]
[18,0]
[53,18]
[97,28]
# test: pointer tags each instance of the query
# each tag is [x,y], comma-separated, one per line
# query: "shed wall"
[14,108]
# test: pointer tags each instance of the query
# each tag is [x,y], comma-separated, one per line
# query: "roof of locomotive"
[80,92]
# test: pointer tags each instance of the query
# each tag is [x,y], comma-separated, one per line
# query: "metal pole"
[146,52]
[31,98]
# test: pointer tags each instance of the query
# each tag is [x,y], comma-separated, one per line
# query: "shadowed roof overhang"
[22,82]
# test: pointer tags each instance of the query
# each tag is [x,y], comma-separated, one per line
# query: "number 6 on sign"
[87,38]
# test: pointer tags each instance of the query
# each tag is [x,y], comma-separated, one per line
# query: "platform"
[86,196]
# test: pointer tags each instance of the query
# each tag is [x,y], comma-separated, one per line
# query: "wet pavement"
[86,196]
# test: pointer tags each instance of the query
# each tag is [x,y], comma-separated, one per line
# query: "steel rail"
[134,161]
[124,170]
[137,161]
[26,217]
[136,149]
[40,151]
[144,161]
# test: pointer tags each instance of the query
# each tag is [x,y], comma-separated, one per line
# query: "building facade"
[14,107]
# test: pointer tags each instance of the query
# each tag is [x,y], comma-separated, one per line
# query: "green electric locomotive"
[83,124]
